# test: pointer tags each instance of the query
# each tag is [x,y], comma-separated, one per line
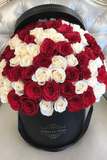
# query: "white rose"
[94,74]
[65,22]
[58,74]
[80,30]
[97,91]
[35,31]
[15,61]
[50,31]
[93,67]
[26,61]
[76,27]
[77,47]
[66,40]
[40,37]
[33,49]
[59,61]
[18,87]
[71,24]
[13,42]
[7,85]
[57,37]
[2,63]
[5,88]
[21,50]
[103,88]
[41,75]
[71,60]
[4,98]
[2,78]
[92,81]
[34,78]
[20,93]
[60,105]
[46,108]
[98,62]
[80,86]
[84,41]
[1,70]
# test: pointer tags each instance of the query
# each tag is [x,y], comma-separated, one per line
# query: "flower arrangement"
[52,65]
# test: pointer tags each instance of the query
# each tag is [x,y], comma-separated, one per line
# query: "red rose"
[6,50]
[64,29]
[101,55]
[14,100]
[54,24]
[48,47]
[33,90]
[1,58]
[85,73]
[51,91]
[41,61]
[101,74]
[42,24]
[89,53]
[73,37]
[88,96]
[30,26]
[89,38]
[75,103]
[82,59]
[10,55]
[27,72]
[25,81]
[64,48]
[72,74]
[96,49]
[15,73]
[23,98]
[6,69]
[23,33]
[29,39]
[30,107]
[67,89]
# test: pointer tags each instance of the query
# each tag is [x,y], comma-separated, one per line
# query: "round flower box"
[52,71]
[60,130]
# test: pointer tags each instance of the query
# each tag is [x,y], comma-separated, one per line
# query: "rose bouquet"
[52,65]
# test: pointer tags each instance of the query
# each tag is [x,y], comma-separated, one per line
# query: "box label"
[53,131]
